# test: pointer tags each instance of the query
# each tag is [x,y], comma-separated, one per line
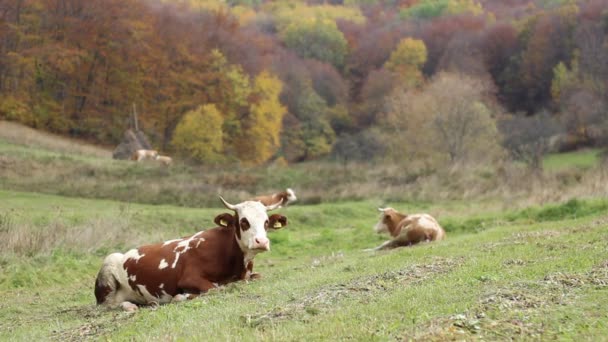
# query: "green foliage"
[199,134]
[317,39]
[426,9]
[569,210]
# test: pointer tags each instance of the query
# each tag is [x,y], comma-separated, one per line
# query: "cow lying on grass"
[182,269]
[407,230]
[165,160]
[283,198]
[141,155]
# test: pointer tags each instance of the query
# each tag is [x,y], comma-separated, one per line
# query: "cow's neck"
[395,226]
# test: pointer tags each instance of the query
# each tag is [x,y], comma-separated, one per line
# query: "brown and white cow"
[283,198]
[182,269]
[142,154]
[165,160]
[407,230]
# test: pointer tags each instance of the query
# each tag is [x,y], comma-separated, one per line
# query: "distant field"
[578,159]
[540,273]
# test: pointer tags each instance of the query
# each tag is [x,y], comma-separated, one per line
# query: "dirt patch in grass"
[98,322]
[363,288]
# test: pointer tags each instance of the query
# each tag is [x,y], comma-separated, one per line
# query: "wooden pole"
[135,123]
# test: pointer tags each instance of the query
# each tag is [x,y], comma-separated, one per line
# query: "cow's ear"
[277,221]
[224,220]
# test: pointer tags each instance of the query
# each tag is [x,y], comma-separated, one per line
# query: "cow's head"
[291,196]
[389,218]
[251,223]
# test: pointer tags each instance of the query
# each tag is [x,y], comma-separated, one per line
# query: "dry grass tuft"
[25,239]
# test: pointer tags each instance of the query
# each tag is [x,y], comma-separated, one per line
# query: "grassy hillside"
[540,273]
[37,162]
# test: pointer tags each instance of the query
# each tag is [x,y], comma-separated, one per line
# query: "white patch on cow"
[163,264]
[149,298]
[171,241]
[216,284]
[181,297]
[162,285]
[132,278]
[184,245]
[134,254]
[426,222]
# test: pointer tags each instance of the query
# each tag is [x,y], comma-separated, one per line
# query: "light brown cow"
[140,155]
[407,230]
[182,269]
[165,160]
[283,198]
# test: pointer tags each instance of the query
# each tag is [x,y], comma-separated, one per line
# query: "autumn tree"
[406,60]
[450,120]
[199,135]
[260,138]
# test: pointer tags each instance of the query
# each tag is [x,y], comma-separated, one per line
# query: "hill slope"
[541,273]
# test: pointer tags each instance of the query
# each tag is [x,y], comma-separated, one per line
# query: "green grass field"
[509,269]
[540,273]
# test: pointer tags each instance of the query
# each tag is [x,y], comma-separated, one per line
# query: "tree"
[199,134]
[406,61]
[260,138]
[317,39]
[450,120]
[528,138]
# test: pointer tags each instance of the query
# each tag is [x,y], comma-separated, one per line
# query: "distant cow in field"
[407,230]
[283,198]
[182,269]
[165,160]
[140,155]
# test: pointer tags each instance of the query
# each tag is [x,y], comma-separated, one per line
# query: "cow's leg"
[387,245]
[193,286]
[248,274]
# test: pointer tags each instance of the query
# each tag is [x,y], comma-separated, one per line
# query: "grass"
[524,274]
[583,159]
[525,257]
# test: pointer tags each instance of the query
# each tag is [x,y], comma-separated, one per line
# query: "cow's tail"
[107,282]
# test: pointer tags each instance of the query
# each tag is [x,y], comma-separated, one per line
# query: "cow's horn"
[381,209]
[228,205]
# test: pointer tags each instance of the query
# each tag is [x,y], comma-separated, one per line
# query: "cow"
[407,230]
[283,198]
[165,160]
[182,269]
[141,154]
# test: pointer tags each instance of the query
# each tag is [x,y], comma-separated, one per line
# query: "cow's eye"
[266,225]
[244,224]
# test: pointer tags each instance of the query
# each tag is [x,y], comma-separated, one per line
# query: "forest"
[434,82]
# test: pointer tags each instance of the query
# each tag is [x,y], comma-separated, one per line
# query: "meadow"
[536,269]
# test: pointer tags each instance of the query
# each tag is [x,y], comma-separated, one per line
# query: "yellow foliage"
[407,59]
[260,138]
[287,13]
[199,134]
